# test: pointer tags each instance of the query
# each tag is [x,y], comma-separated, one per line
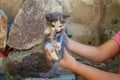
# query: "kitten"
[55,40]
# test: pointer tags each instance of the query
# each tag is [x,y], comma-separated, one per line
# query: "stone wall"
[11,8]
[92,22]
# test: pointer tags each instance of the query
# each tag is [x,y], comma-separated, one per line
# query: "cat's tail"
[50,73]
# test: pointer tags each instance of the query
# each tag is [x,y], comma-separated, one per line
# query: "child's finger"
[48,55]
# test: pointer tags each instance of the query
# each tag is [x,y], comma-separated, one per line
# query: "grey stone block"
[63,76]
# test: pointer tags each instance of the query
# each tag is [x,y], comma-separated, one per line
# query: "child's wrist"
[73,65]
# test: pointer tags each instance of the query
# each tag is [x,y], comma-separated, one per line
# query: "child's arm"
[88,72]
[96,54]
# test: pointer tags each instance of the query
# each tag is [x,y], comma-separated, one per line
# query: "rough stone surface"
[61,77]
[86,15]
[112,20]
[22,63]
[97,20]
[3,30]
[11,8]
[1,65]
[28,27]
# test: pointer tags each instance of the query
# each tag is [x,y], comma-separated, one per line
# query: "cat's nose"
[57,30]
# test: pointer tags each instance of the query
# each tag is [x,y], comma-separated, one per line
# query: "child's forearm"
[88,52]
[96,54]
[92,73]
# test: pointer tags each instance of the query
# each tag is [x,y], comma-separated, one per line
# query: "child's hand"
[68,61]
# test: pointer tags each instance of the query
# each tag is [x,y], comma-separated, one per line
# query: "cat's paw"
[49,47]
[51,51]
[58,46]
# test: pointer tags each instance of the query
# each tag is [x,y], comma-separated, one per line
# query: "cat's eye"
[60,26]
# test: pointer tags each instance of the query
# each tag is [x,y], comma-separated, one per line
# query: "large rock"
[28,27]
[23,63]
[3,30]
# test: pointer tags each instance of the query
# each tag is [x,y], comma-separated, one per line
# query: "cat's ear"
[48,16]
[65,16]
